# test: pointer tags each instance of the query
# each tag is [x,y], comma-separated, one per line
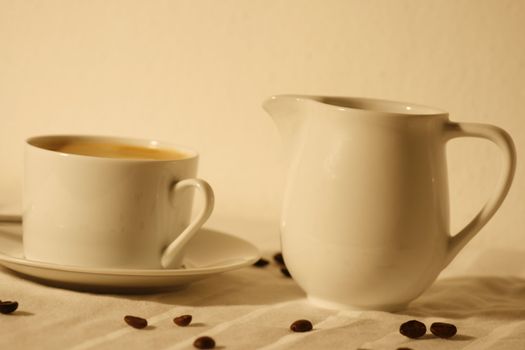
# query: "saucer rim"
[192,271]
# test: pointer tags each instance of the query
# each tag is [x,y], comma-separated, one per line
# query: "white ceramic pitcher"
[365,222]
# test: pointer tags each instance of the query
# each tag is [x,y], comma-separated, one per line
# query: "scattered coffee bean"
[404,348]
[183,320]
[261,263]
[443,330]
[204,343]
[413,329]
[301,326]
[278,258]
[7,307]
[136,322]
[285,272]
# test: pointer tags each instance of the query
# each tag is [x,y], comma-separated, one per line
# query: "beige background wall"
[196,72]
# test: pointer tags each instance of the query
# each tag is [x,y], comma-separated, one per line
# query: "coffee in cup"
[115,150]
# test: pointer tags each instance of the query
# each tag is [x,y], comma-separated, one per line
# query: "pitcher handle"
[503,140]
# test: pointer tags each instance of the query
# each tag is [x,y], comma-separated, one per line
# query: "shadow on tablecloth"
[497,297]
[248,286]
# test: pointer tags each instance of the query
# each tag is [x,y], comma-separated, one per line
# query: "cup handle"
[503,140]
[172,255]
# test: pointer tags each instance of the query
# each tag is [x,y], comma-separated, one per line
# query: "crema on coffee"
[116,150]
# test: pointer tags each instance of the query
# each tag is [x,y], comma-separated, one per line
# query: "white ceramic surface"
[365,222]
[109,212]
[209,253]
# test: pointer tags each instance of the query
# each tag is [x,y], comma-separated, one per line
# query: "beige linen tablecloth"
[482,293]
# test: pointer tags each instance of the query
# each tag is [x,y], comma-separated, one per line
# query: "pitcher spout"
[288,113]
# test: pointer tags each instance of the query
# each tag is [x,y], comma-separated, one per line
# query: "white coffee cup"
[86,207]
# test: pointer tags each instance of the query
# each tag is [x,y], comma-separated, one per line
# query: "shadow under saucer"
[98,289]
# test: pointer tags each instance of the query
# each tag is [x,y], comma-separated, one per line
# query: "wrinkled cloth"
[482,293]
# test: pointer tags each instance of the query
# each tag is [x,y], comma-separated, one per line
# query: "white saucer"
[209,253]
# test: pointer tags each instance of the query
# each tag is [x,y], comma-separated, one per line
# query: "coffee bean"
[404,348]
[285,272]
[413,329]
[443,330]
[7,307]
[278,258]
[204,343]
[183,320]
[301,326]
[136,322]
[261,263]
